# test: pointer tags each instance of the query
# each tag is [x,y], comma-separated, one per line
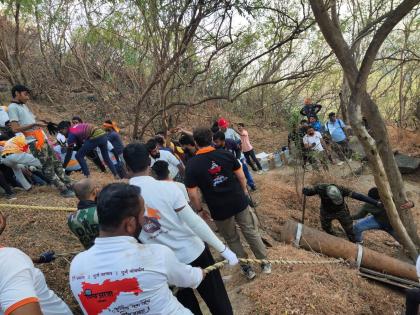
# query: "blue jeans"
[249,179]
[89,145]
[369,223]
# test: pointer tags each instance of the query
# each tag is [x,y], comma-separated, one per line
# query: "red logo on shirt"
[96,298]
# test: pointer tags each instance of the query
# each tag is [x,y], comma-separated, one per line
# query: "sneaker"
[68,193]
[247,271]
[260,172]
[266,268]
[340,163]
[11,196]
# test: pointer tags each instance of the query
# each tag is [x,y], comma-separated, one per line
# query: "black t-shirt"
[213,172]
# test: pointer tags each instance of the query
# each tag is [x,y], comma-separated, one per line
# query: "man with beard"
[176,168]
[118,274]
[170,221]
[188,145]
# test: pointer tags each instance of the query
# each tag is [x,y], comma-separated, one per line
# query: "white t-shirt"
[118,275]
[4,116]
[172,161]
[21,283]
[183,189]
[163,226]
[316,138]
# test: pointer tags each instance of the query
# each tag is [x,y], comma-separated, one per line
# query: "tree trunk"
[378,170]
[380,135]
[344,99]
[380,154]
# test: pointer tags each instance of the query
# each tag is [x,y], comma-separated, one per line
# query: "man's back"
[119,275]
[163,226]
[213,172]
[326,202]
[84,223]
[172,162]
[21,283]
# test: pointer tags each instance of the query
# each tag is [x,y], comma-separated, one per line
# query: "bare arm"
[239,173]
[18,128]
[30,308]
[195,198]
[189,133]
[181,168]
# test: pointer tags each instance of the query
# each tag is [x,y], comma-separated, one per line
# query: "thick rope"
[27,207]
[220,264]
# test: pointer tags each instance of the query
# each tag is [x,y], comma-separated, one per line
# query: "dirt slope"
[289,290]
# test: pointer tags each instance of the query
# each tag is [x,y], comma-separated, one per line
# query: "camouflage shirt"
[84,223]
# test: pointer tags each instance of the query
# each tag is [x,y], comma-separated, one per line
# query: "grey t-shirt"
[21,114]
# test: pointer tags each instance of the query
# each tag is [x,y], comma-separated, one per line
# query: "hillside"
[323,289]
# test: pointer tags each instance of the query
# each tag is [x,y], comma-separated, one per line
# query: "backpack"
[339,123]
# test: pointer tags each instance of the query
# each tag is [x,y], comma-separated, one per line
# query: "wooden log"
[321,242]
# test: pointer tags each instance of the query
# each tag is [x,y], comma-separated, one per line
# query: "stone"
[407,164]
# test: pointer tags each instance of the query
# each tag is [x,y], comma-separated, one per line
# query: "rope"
[27,207]
[220,264]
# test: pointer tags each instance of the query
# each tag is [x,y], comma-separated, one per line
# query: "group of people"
[371,216]
[316,142]
[147,236]
[156,222]
[28,157]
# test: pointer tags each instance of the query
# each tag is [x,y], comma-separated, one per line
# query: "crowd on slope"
[144,237]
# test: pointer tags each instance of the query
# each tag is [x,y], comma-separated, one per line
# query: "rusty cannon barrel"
[311,239]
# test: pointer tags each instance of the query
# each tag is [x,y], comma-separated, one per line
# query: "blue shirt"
[336,130]
[317,126]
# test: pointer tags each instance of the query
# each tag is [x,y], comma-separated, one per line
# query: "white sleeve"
[172,159]
[178,198]
[305,140]
[418,267]
[236,136]
[16,283]
[181,187]
[180,274]
[199,227]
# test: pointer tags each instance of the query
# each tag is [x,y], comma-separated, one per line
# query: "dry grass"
[326,289]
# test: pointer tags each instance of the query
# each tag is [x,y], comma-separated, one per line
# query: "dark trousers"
[212,290]
[343,216]
[5,185]
[96,160]
[412,300]
[251,159]
[90,144]
[343,149]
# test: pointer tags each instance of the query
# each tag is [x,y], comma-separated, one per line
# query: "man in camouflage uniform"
[23,120]
[334,207]
[84,222]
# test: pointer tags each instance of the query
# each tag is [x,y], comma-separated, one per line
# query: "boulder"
[407,164]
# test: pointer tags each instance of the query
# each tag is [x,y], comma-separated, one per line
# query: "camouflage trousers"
[51,166]
[343,216]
